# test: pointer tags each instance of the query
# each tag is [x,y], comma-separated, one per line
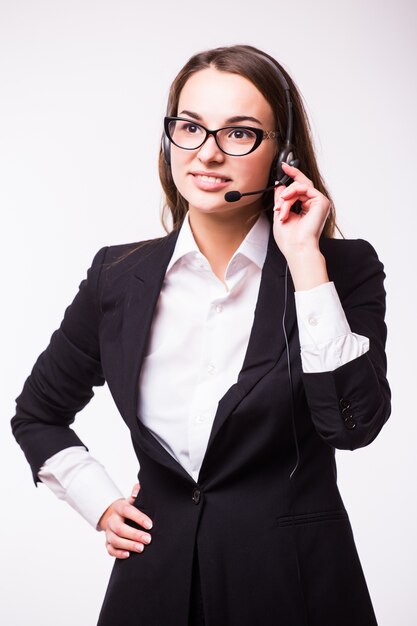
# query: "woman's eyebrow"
[230,120]
[242,118]
[196,116]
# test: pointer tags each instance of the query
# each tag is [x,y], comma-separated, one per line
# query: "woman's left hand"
[297,235]
[292,231]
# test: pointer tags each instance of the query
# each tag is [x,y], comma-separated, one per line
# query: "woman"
[238,519]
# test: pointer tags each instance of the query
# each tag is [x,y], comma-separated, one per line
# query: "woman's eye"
[190,128]
[241,134]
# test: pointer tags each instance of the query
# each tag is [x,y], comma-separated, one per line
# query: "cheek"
[258,170]
[178,167]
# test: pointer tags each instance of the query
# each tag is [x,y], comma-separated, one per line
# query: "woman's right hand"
[122,539]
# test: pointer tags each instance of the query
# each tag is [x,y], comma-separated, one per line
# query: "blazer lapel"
[267,341]
[142,295]
[143,292]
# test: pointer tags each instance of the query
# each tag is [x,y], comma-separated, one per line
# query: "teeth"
[211,179]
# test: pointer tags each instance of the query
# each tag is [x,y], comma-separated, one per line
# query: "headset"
[286,153]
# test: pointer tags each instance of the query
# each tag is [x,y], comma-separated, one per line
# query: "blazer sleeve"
[350,405]
[62,380]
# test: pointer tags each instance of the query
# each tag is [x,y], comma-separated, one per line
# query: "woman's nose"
[210,151]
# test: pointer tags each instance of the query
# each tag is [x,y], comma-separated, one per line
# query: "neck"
[219,236]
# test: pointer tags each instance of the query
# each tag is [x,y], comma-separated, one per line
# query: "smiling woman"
[241,350]
[216,98]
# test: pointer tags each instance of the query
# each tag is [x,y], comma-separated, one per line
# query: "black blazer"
[272,549]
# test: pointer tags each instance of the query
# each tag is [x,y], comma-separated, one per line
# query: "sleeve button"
[350,423]
[344,404]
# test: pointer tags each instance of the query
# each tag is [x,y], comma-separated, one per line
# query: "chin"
[208,203]
[210,208]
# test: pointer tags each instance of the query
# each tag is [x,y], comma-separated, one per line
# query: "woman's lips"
[210,182]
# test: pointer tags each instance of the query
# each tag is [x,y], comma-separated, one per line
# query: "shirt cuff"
[326,339]
[81,481]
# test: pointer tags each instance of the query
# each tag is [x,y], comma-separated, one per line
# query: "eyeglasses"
[232,140]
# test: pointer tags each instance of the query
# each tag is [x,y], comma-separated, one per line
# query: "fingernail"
[147,524]
[139,547]
[147,538]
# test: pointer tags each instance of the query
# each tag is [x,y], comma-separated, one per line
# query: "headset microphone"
[234,196]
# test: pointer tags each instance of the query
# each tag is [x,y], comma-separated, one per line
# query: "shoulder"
[131,253]
[123,257]
[114,266]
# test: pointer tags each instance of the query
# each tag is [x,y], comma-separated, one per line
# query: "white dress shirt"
[198,340]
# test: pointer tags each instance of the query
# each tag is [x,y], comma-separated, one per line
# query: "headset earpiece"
[166,149]
[285,156]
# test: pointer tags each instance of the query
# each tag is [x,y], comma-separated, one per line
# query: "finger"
[295,173]
[123,543]
[277,197]
[128,511]
[296,210]
[118,554]
[134,494]
[298,189]
[287,205]
[118,528]
[306,194]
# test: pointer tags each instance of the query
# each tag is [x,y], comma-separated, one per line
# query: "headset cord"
[297,451]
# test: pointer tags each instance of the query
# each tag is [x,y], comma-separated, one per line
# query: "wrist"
[307,266]
[102,522]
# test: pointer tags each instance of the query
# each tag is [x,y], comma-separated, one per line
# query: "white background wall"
[83,86]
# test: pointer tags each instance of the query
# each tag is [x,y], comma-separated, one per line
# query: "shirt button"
[196,496]
[211,369]
[199,419]
[219,308]
[313,321]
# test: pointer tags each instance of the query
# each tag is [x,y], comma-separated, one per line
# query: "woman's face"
[202,176]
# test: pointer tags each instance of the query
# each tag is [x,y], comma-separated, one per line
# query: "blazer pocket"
[338,515]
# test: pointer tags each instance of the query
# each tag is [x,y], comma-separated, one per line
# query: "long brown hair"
[251,63]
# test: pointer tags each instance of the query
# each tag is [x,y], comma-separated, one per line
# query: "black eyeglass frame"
[259,132]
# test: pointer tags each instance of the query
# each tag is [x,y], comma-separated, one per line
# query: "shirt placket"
[205,398]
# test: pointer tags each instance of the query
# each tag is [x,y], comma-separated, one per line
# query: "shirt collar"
[253,247]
